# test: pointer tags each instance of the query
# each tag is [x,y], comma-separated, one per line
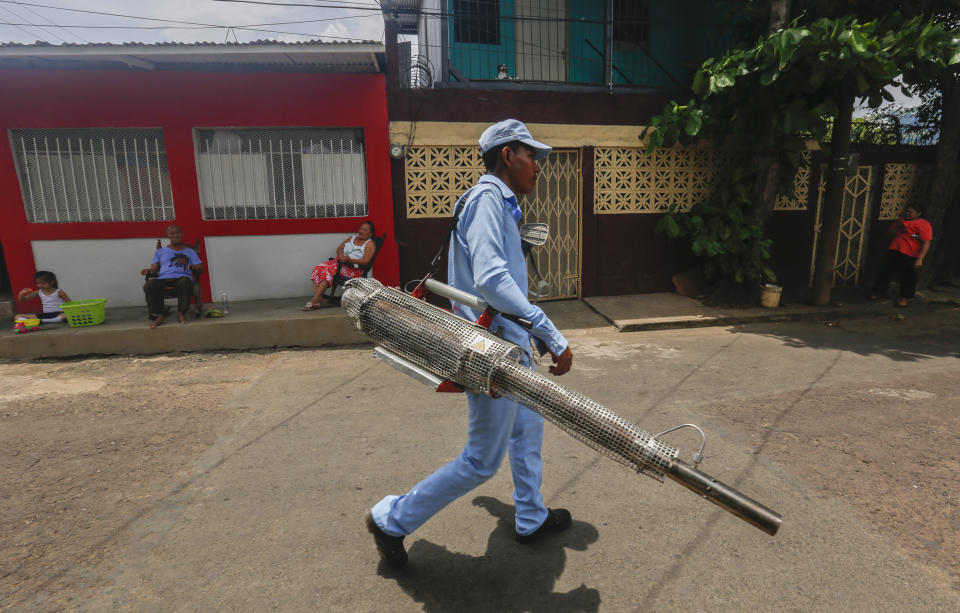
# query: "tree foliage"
[786,85]
[728,238]
[785,88]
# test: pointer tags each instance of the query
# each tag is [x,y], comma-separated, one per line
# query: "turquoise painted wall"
[682,34]
[478,61]
[586,63]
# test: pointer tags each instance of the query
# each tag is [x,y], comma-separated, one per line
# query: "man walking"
[487,260]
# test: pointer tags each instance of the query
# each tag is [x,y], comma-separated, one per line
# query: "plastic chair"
[338,281]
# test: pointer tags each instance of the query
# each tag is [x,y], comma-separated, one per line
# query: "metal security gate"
[853,222]
[556,202]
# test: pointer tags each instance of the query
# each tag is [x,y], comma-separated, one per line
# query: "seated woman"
[174,266]
[353,253]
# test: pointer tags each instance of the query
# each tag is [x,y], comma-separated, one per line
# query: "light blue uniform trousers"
[497,425]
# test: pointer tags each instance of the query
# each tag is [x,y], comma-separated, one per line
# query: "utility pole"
[826,256]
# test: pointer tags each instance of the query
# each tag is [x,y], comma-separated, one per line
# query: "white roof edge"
[143,51]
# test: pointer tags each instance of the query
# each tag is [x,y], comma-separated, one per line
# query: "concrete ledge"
[262,324]
[254,325]
[638,312]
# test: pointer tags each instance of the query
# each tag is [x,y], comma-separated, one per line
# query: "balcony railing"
[643,43]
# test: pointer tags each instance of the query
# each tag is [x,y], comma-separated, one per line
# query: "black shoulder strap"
[458,208]
[461,203]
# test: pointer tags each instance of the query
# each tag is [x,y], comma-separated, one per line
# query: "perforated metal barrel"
[429,337]
[448,346]
[451,348]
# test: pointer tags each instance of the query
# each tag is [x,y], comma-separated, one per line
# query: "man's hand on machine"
[562,362]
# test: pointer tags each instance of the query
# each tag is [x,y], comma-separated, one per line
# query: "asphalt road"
[238,482]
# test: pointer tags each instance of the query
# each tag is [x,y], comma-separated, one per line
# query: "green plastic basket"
[82,313]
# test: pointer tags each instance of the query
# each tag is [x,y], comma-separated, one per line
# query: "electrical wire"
[196,25]
[27,8]
[18,26]
[359,7]
[192,27]
[317,36]
[37,26]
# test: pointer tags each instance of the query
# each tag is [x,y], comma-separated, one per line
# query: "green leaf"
[698,82]
[858,42]
[862,84]
[768,77]
[694,122]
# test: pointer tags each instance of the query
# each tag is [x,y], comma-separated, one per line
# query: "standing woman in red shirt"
[911,241]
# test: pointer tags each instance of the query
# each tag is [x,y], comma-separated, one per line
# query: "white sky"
[342,21]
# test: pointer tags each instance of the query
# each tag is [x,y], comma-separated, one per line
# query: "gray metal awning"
[311,56]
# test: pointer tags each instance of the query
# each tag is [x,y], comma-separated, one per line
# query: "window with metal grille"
[476,21]
[93,174]
[281,173]
[631,19]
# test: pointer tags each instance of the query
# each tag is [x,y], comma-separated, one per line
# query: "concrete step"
[249,325]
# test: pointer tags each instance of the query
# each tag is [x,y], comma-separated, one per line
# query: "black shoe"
[557,520]
[389,547]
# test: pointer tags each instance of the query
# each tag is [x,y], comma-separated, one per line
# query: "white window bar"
[281,173]
[96,181]
[32,205]
[74,175]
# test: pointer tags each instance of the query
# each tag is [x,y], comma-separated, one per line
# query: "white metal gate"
[556,202]
[853,222]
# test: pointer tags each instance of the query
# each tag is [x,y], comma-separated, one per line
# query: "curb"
[832,313]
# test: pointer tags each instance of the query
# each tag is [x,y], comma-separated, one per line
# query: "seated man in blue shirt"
[486,259]
[174,266]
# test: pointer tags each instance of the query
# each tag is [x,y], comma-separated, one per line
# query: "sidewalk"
[259,324]
[668,310]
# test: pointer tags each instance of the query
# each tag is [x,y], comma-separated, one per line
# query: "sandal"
[310,306]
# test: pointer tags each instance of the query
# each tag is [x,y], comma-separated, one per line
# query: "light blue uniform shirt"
[486,260]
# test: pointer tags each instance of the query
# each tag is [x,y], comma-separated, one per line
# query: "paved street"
[237,481]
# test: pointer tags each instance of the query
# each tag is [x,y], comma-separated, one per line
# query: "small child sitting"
[51,297]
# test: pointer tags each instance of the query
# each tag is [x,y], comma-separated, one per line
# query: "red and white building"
[268,154]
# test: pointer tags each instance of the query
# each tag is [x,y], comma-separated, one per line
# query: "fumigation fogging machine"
[450,353]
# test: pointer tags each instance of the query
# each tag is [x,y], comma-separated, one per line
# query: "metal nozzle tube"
[726,497]
[457,295]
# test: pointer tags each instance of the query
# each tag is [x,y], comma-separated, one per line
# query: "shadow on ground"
[507,578]
[912,334]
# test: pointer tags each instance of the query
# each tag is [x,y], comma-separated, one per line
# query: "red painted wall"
[178,102]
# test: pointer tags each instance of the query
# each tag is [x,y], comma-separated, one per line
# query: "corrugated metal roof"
[365,56]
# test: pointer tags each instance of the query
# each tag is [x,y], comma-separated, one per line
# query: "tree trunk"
[779,13]
[943,183]
[826,255]
[765,185]
[947,263]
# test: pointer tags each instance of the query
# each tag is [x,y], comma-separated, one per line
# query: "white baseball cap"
[510,130]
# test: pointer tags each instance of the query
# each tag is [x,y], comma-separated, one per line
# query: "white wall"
[102,268]
[245,267]
[252,267]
